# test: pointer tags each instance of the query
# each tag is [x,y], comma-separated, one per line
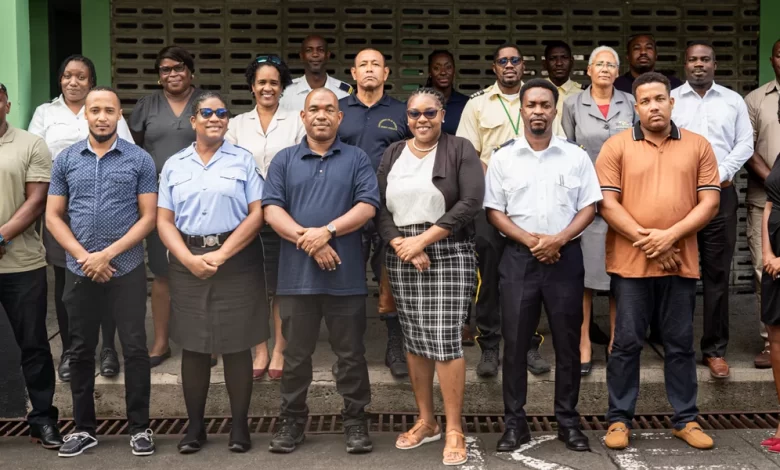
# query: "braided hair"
[429,81]
[430,92]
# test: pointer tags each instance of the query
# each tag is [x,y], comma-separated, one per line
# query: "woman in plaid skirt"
[432,188]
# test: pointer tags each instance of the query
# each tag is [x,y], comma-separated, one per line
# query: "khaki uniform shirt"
[570,88]
[762,105]
[485,123]
[24,158]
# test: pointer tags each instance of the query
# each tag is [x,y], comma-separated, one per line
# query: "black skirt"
[224,314]
[770,288]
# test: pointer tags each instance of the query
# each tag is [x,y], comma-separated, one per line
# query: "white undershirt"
[411,195]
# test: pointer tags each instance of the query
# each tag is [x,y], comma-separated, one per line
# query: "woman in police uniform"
[210,215]
[589,119]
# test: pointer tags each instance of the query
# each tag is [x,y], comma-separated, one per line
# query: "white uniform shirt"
[56,124]
[285,130]
[294,96]
[721,116]
[411,196]
[541,191]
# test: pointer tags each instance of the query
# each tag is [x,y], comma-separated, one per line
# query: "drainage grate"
[401,422]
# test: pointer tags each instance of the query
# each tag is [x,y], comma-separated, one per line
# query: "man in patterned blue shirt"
[108,188]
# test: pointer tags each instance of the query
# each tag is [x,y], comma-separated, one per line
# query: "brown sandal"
[455,455]
[416,440]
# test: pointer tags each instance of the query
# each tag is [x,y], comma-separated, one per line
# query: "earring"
[158,82]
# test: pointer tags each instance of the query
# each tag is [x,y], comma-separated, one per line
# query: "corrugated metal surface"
[224,35]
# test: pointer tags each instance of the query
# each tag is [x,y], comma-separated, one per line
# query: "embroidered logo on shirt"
[623,125]
[387,123]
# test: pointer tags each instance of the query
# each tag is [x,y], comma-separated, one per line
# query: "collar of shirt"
[521,146]
[639,135]
[60,103]
[686,89]
[280,115]
[8,137]
[304,151]
[306,88]
[456,97]
[771,87]
[92,150]
[568,86]
[352,100]
[496,91]
[587,98]
[225,149]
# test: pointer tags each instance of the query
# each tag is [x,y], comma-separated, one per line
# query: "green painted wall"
[15,56]
[96,37]
[39,51]
[769,32]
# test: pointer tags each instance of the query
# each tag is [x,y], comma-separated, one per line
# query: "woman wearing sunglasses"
[431,189]
[265,131]
[209,216]
[160,123]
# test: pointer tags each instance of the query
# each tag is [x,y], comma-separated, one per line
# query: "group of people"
[275,213]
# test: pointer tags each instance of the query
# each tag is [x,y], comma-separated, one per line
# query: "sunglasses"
[178,68]
[428,113]
[206,113]
[505,60]
[274,59]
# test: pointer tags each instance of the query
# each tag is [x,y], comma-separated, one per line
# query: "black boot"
[63,371]
[395,358]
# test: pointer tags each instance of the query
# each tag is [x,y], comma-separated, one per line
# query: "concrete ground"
[734,450]
[748,389]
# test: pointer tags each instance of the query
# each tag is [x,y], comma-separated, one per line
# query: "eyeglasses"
[274,59]
[601,65]
[505,60]
[428,113]
[178,68]
[206,113]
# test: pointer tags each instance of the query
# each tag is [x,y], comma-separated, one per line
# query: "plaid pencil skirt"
[433,305]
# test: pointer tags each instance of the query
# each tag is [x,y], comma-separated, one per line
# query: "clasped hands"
[97,267]
[546,248]
[410,250]
[772,265]
[314,241]
[659,246]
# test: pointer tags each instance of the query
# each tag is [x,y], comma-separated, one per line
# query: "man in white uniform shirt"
[721,116]
[541,192]
[314,54]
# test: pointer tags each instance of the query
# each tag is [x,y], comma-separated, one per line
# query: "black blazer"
[457,173]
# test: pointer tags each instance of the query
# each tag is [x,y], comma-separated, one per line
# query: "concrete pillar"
[15,72]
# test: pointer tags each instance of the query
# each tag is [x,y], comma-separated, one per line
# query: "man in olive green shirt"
[25,168]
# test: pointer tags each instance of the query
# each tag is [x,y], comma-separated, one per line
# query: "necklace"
[423,150]
[515,127]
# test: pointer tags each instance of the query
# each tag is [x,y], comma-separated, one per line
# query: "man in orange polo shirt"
[661,186]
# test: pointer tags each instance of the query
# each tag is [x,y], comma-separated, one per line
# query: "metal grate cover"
[401,422]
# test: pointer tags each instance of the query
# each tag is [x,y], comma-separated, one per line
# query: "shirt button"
[204,189]
[320,171]
[203,213]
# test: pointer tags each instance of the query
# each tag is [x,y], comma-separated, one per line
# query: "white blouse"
[411,195]
[285,130]
[56,124]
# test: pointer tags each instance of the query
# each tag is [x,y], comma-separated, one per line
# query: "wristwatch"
[332,229]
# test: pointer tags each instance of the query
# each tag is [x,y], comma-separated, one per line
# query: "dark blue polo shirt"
[453,112]
[316,190]
[373,129]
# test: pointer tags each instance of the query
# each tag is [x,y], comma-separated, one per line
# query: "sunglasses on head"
[274,59]
[178,68]
[428,113]
[505,60]
[206,113]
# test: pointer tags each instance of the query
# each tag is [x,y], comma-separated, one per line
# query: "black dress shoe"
[63,371]
[586,368]
[190,445]
[574,439]
[48,435]
[512,439]
[109,363]
[155,361]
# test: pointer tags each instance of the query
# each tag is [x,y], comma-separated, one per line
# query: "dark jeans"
[87,302]
[527,285]
[716,249]
[345,317]
[375,257]
[671,300]
[23,297]
[489,246]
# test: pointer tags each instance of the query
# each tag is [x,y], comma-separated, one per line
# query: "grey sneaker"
[76,443]
[536,363]
[488,363]
[142,443]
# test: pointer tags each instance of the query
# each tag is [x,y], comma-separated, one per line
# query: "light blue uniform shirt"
[213,198]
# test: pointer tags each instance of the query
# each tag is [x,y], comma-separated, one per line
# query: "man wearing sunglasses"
[491,118]
[315,55]
[372,121]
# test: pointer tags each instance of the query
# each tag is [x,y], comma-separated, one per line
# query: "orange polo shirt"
[658,186]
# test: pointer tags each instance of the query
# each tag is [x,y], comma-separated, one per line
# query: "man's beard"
[102,138]
[538,131]
[644,68]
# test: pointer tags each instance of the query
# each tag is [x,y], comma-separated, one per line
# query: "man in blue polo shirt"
[317,197]
[372,121]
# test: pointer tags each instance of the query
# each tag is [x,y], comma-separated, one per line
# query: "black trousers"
[345,317]
[716,250]
[490,246]
[527,285]
[23,297]
[123,297]
[670,300]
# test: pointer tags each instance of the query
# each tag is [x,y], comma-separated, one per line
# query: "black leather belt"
[206,241]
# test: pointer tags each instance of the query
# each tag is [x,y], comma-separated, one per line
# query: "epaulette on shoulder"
[479,93]
[575,143]
[346,87]
[499,147]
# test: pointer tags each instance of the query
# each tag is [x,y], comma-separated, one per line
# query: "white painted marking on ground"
[536,464]
[629,459]
[476,455]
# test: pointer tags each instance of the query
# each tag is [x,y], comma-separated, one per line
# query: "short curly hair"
[272,60]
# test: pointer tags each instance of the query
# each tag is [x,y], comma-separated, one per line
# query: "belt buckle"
[210,240]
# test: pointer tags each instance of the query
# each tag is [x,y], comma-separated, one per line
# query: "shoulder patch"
[479,93]
[346,87]
[508,142]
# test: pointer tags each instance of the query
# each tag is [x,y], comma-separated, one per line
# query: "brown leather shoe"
[719,368]
[762,360]
[617,436]
[694,436]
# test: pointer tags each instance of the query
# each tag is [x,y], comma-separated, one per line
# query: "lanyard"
[515,127]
